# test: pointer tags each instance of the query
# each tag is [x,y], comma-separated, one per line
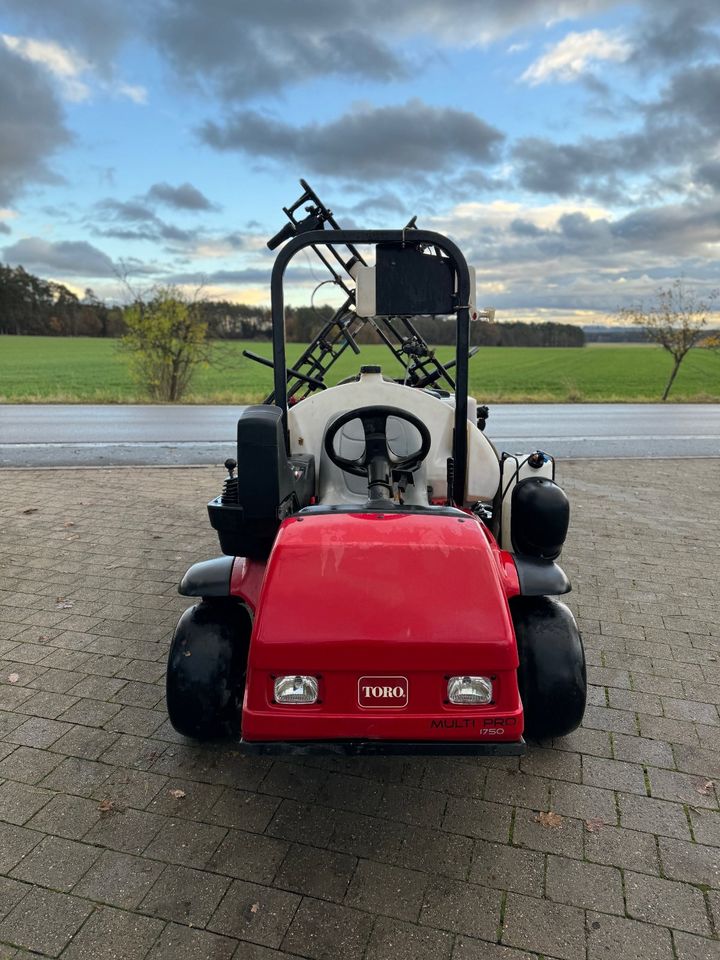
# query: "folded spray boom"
[398,333]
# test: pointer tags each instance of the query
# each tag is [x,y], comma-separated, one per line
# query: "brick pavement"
[264,859]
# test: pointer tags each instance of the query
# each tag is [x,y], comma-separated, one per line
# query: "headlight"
[470,690]
[296,690]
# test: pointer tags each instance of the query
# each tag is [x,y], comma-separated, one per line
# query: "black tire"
[206,669]
[552,674]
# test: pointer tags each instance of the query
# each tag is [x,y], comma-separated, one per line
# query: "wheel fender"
[552,673]
[206,669]
[540,578]
[209,578]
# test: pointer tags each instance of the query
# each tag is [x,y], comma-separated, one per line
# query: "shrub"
[166,341]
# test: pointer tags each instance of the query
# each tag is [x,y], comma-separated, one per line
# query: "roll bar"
[413,238]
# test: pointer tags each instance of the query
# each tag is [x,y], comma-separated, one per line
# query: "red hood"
[391,591]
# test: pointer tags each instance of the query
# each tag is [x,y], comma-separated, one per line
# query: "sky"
[571,148]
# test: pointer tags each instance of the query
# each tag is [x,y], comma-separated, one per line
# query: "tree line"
[168,334]
[32,306]
[507,334]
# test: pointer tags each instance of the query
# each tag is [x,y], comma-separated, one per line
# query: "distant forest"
[36,307]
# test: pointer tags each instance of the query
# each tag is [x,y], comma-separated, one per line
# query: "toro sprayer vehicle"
[387,581]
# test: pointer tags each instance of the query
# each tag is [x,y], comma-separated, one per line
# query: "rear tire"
[552,674]
[206,669]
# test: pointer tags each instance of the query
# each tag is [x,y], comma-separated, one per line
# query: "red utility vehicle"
[387,577]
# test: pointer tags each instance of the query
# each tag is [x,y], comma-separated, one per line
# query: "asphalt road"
[79,435]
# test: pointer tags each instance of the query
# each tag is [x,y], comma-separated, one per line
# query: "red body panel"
[351,596]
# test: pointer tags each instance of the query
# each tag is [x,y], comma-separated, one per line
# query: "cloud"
[147,225]
[183,197]
[63,64]
[692,94]
[174,234]
[370,142]
[387,162]
[247,275]
[532,260]
[69,69]
[139,234]
[96,28]
[280,43]
[384,202]
[676,128]
[153,233]
[264,48]
[234,277]
[673,33]
[133,92]
[688,227]
[73,258]
[241,241]
[295,41]
[31,123]
[525,228]
[579,257]
[572,56]
[215,246]
[136,220]
[709,174]
[129,211]
[270,46]
[587,168]
[4,228]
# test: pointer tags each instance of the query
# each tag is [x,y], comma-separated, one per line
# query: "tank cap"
[536,459]
[371,368]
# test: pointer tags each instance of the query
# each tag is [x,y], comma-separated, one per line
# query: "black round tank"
[540,517]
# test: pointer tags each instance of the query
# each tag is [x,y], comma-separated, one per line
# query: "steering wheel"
[377,462]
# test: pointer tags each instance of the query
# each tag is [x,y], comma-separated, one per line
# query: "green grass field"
[84,370]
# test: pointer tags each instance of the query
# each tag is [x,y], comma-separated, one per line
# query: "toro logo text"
[382,692]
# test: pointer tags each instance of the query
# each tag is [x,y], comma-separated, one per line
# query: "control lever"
[231,486]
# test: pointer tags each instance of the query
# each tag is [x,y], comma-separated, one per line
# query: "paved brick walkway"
[119,840]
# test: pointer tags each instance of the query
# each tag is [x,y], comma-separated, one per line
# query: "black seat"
[269,486]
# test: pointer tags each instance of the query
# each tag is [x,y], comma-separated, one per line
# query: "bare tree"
[675,319]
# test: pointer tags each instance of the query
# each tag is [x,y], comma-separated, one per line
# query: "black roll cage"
[405,237]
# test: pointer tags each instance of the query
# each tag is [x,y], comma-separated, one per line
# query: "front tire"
[552,674]
[206,669]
